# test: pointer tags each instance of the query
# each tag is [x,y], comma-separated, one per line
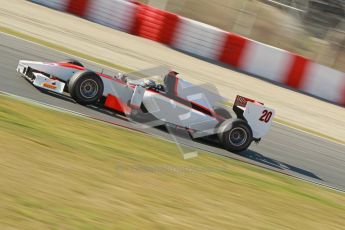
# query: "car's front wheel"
[86,87]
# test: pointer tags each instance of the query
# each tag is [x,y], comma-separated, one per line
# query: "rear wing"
[258,116]
[242,101]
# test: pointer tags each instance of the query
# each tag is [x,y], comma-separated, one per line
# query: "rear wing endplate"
[258,116]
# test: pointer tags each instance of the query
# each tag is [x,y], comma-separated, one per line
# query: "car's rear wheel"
[86,87]
[235,135]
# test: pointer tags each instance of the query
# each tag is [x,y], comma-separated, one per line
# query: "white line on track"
[309,133]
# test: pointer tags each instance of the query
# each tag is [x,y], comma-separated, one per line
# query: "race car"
[174,102]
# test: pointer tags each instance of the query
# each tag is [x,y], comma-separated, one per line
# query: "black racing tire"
[235,135]
[222,112]
[86,87]
[74,62]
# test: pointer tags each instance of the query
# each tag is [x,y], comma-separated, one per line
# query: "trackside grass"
[59,171]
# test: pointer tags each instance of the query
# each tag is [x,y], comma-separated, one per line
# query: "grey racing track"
[284,149]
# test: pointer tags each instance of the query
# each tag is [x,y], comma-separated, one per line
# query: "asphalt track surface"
[284,149]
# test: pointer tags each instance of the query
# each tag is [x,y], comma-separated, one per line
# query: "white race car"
[174,102]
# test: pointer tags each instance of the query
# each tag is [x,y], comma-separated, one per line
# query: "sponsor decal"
[49,86]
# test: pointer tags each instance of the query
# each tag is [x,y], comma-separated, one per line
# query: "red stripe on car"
[69,65]
[186,103]
[115,103]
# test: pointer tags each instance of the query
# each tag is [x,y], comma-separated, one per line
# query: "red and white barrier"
[155,24]
[210,42]
[232,49]
[199,38]
[265,61]
[54,4]
[324,82]
[112,13]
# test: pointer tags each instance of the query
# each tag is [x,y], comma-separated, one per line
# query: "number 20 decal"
[266,116]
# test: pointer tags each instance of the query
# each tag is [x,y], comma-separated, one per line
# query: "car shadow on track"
[259,158]
[56,95]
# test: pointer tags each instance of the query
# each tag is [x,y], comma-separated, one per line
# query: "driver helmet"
[122,77]
[149,83]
